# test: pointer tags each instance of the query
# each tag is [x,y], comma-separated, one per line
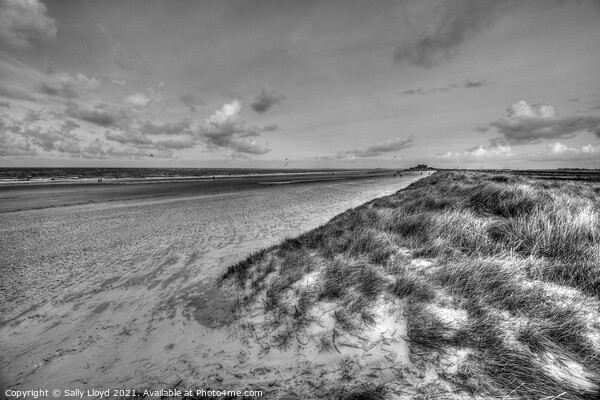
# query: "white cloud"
[560,152]
[521,109]
[24,20]
[225,129]
[138,100]
[534,123]
[480,153]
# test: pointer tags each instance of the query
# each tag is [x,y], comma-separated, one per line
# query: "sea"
[23,175]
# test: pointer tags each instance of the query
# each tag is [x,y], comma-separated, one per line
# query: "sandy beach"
[113,286]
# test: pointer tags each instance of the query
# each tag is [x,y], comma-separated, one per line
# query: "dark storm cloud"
[266,99]
[460,20]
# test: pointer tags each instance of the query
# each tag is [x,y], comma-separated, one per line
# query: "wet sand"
[120,293]
[31,195]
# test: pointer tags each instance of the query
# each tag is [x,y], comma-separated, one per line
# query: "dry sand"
[120,294]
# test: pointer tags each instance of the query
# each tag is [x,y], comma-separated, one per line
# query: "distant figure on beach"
[394,175]
[99,180]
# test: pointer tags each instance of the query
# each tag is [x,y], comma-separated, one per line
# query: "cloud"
[191,101]
[22,138]
[225,129]
[18,94]
[271,127]
[15,145]
[78,79]
[95,148]
[460,20]
[559,152]
[69,146]
[67,85]
[184,142]
[467,85]
[64,91]
[266,99]
[480,153]
[391,145]
[129,59]
[51,138]
[137,138]
[142,100]
[12,141]
[22,21]
[138,100]
[169,128]
[99,116]
[414,91]
[534,123]
[128,137]
[470,85]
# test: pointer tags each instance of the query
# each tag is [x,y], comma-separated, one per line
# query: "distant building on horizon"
[420,166]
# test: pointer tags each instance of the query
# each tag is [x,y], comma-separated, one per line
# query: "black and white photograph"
[300,199]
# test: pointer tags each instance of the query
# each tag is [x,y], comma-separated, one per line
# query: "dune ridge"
[463,285]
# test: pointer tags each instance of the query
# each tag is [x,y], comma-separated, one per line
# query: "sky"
[300,84]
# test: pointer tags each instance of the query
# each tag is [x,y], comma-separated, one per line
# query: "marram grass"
[501,269]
